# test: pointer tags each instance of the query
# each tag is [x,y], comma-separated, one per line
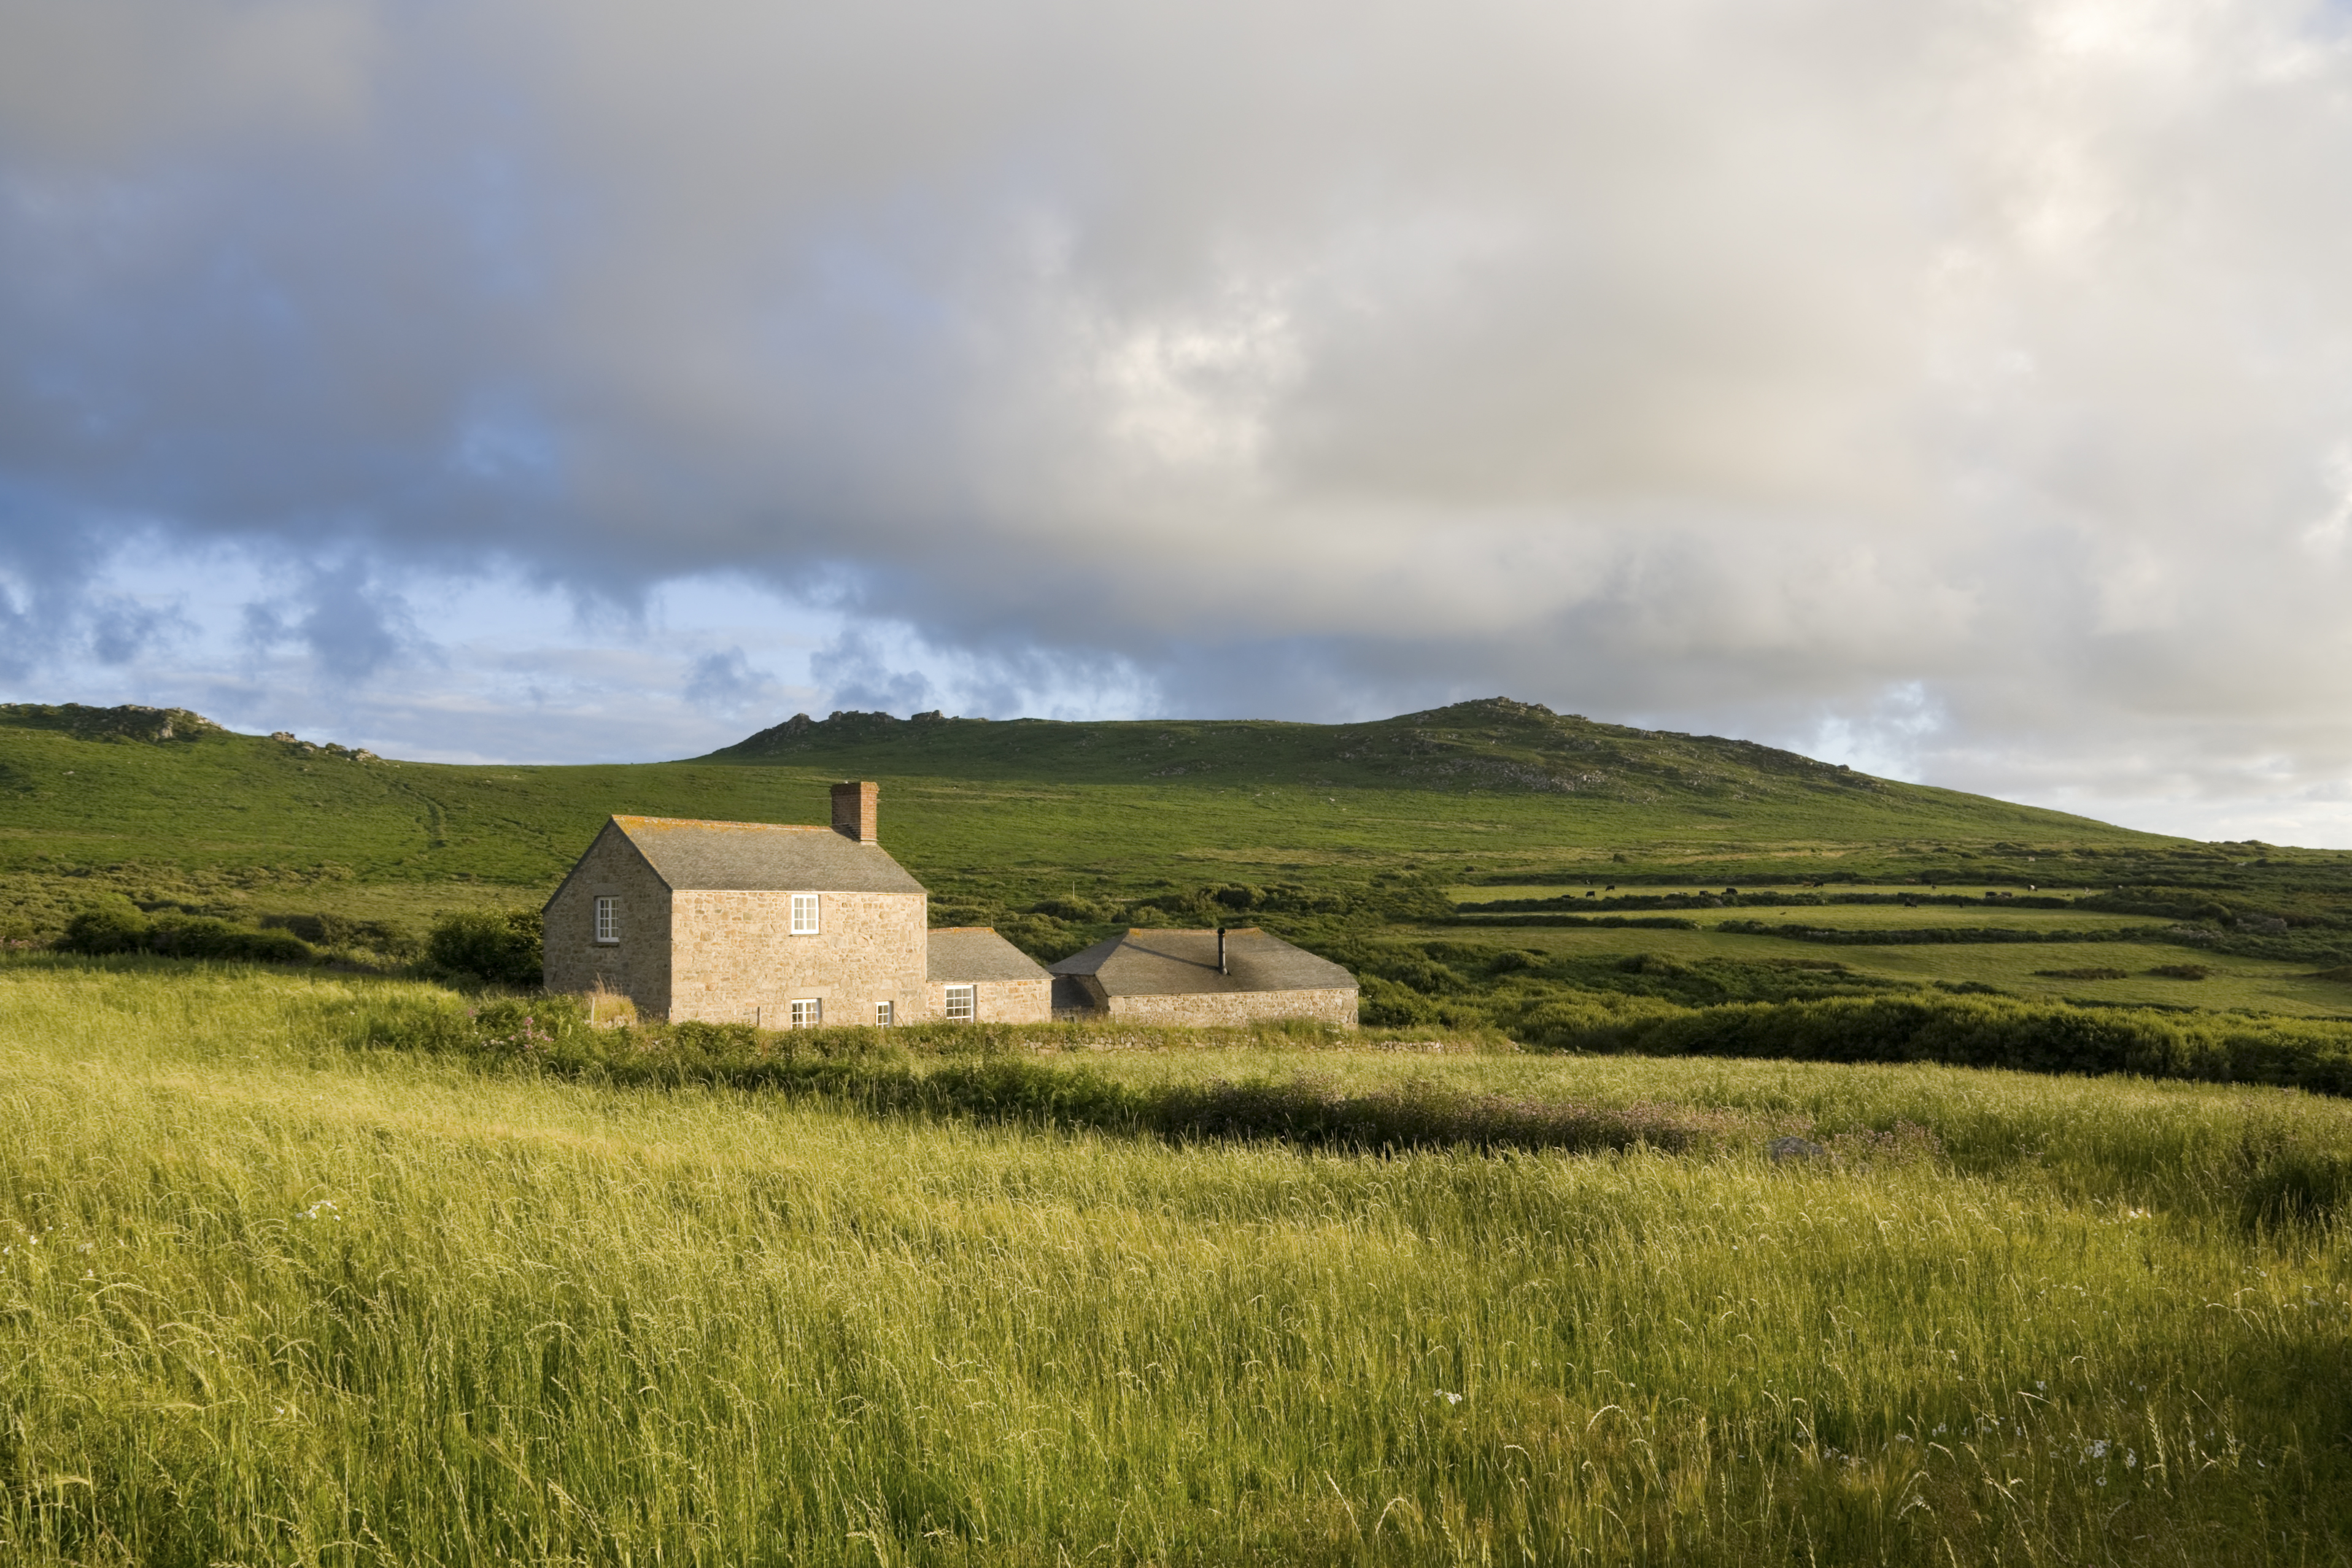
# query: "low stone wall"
[996,1001]
[1219,1009]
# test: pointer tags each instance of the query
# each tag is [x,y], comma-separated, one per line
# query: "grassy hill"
[1489,790]
[1341,835]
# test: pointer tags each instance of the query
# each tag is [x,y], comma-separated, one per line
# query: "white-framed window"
[960,1004]
[608,919]
[804,914]
[807,1013]
[882,1015]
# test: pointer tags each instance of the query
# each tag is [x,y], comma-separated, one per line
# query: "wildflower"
[1449,1398]
[2131,1460]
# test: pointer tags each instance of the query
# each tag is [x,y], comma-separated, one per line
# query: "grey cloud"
[853,671]
[352,625]
[727,683]
[1740,363]
[122,629]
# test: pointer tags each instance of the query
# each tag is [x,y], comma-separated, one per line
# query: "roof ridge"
[722,823]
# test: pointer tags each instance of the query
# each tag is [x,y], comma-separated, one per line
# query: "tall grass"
[269,1298]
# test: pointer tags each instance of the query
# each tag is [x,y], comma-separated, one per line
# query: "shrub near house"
[102,932]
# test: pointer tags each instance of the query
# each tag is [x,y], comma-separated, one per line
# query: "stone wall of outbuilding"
[638,964]
[735,960]
[997,1001]
[1219,1009]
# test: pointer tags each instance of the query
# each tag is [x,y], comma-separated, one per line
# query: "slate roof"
[761,857]
[1184,963]
[962,954]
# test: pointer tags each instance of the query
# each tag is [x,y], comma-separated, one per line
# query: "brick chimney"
[855,810]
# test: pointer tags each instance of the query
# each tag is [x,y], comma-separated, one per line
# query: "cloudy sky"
[1958,388]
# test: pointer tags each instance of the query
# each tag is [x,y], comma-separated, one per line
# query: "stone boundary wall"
[996,1001]
[735,959]
[1214,1009]
[638,966]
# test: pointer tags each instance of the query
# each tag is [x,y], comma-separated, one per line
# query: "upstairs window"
[960,1004]
[808,1013]
[804,914]
[608,920]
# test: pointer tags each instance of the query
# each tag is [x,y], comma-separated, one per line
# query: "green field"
[2054,969]
[267,1297]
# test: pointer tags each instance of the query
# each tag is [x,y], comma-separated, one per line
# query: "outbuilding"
[975,974]
[1231,974]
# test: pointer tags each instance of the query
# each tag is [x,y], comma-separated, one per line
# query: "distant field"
[1472,893]
[1847,917]
[267,1299]
[2258,984]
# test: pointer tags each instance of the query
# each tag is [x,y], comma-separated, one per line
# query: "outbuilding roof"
[1143,963]
[761,857]
[962,954]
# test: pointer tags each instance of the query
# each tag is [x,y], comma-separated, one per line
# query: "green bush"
[99,931]
[1973,1031]
[498,949]
[202,937]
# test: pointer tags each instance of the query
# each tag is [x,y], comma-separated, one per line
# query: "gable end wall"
[638,966]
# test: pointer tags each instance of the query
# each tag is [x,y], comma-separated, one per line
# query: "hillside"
[165,806]
[1491,745]
[90,787]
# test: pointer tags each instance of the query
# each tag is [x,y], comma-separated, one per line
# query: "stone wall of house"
[638,964]
[1208,1009]
[735,960]
[998,1001]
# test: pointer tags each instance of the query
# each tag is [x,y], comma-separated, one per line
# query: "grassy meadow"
[269,1294]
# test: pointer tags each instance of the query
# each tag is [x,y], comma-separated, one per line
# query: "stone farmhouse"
[783,926]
